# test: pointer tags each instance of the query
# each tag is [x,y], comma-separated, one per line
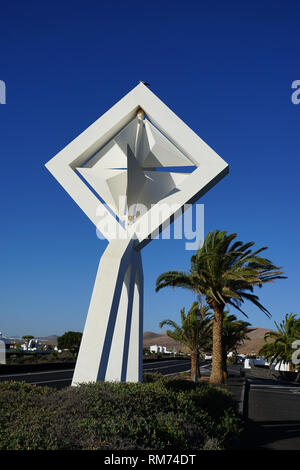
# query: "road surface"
[273,416]
[63,378]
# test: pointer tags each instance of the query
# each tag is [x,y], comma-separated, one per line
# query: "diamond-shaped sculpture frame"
[210,167]
[111,346]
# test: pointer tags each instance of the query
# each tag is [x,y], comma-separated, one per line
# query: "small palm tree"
[190,329]
[225,272]
[280,348]
[234,334]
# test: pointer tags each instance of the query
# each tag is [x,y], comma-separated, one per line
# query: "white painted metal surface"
[112,171]
[2,352]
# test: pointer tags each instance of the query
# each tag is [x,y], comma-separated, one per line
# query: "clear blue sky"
[225,68]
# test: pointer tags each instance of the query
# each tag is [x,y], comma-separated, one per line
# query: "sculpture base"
[112,342]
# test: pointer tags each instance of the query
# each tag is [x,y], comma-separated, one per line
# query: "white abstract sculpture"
[2,352]
[132,158]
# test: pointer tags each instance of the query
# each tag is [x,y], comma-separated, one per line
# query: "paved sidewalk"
[235,385]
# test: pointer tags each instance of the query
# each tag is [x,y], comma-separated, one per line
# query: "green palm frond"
[278,346]
[186,332]
[225,271]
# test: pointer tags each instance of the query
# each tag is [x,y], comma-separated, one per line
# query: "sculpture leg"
[2,352]
[111,346]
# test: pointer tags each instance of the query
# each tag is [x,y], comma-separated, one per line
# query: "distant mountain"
[150,339]
[49,339]
[255,341]
[148,335]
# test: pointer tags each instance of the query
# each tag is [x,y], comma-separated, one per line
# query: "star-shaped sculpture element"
[142,159]
[136,169]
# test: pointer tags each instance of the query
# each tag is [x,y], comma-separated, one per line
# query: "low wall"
[165,358]
[25,368]
[6,369]
[266,373]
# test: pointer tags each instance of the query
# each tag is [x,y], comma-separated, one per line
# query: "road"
[273,416]
[63,378]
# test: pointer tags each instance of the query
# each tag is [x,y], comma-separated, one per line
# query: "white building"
[261,361]
[159,349]
[5,340]
[4,346]
[32,345]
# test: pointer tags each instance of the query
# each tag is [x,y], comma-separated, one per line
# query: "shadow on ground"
[272,420]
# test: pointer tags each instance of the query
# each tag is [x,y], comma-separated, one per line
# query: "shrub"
[20,357]
[158,414]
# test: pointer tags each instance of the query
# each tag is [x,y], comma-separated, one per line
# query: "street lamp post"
[198,317]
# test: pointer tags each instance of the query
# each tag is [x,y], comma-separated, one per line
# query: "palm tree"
[280,349]
[225,273]
[193,333]
[234,334]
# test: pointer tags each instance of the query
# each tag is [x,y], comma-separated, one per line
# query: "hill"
[51,339]
[255,341]
[163,339]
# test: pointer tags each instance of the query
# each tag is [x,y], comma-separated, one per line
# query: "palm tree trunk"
[198,371]
[217,349]
[193,366]
[291,367]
